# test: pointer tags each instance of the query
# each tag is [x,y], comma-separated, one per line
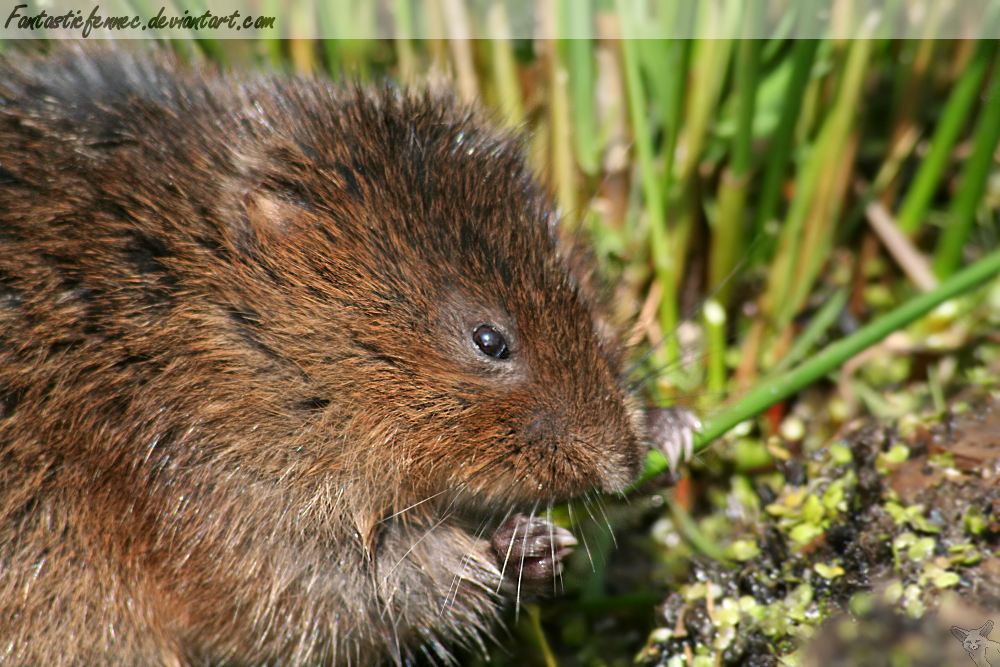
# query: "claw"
[671,431]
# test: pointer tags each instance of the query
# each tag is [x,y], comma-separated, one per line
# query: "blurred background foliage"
[771,177]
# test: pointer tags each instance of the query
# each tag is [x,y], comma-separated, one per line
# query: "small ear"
[959,633]
[266,213]
[985,630]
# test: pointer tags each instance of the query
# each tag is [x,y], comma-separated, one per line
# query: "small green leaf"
[803,594]
[777,509]
[812,510]
[922,549]
[833,499]
[973,521]
[887,460]
[915,515]
[805,533]
[912,603]
[898,454]
[861,604]
[727,612]
[938,576]
[903,541]
[694,591]
[964,554]
[942,460]
[661,636]
[742,550]
[841,454]
[897,512]
[827,571]
[894,592]
[945,579]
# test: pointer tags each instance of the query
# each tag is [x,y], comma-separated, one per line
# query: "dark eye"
[491,342]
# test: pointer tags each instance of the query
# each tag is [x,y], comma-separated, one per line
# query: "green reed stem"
[301,47]
[710,65]
[818,325]
[660,248]
[691,531]
[953,119]
[681,61]
[710,69]
[788,280]
[715,333]
[273,44]
[404,41]
[563,166]
[780,152]
[769,392]
[948,255]
[728,234]
[580,63]
[747,76]
[505,66]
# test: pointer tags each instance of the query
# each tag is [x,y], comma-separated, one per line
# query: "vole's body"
[243,420]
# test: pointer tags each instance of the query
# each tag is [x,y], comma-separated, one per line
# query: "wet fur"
[242,420]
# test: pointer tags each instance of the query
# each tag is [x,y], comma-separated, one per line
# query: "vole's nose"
[545,427]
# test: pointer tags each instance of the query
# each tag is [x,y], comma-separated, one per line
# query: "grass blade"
[948,256]
[953,119]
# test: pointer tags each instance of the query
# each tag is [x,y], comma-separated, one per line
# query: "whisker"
[552,549]
[590,207]
[506,558]
[587,505]
[600,505]
[447,514]
[466,559]
[520,572]
[583,535]
[416,504]
[686,360]
[697,309]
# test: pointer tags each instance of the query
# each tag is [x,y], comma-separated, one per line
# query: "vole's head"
[470,353]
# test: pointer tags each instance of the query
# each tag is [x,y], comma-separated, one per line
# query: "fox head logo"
[985,652]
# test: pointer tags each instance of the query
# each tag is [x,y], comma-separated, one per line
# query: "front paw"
[671,432]
[529,552]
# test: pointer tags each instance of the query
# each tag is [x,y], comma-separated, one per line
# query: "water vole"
[287,372]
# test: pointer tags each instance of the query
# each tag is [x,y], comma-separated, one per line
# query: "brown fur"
[242,418]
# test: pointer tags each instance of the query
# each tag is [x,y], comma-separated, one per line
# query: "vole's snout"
[559,451]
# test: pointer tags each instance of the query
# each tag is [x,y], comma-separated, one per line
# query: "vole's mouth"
[494,505]
[550,475]
[482,516]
